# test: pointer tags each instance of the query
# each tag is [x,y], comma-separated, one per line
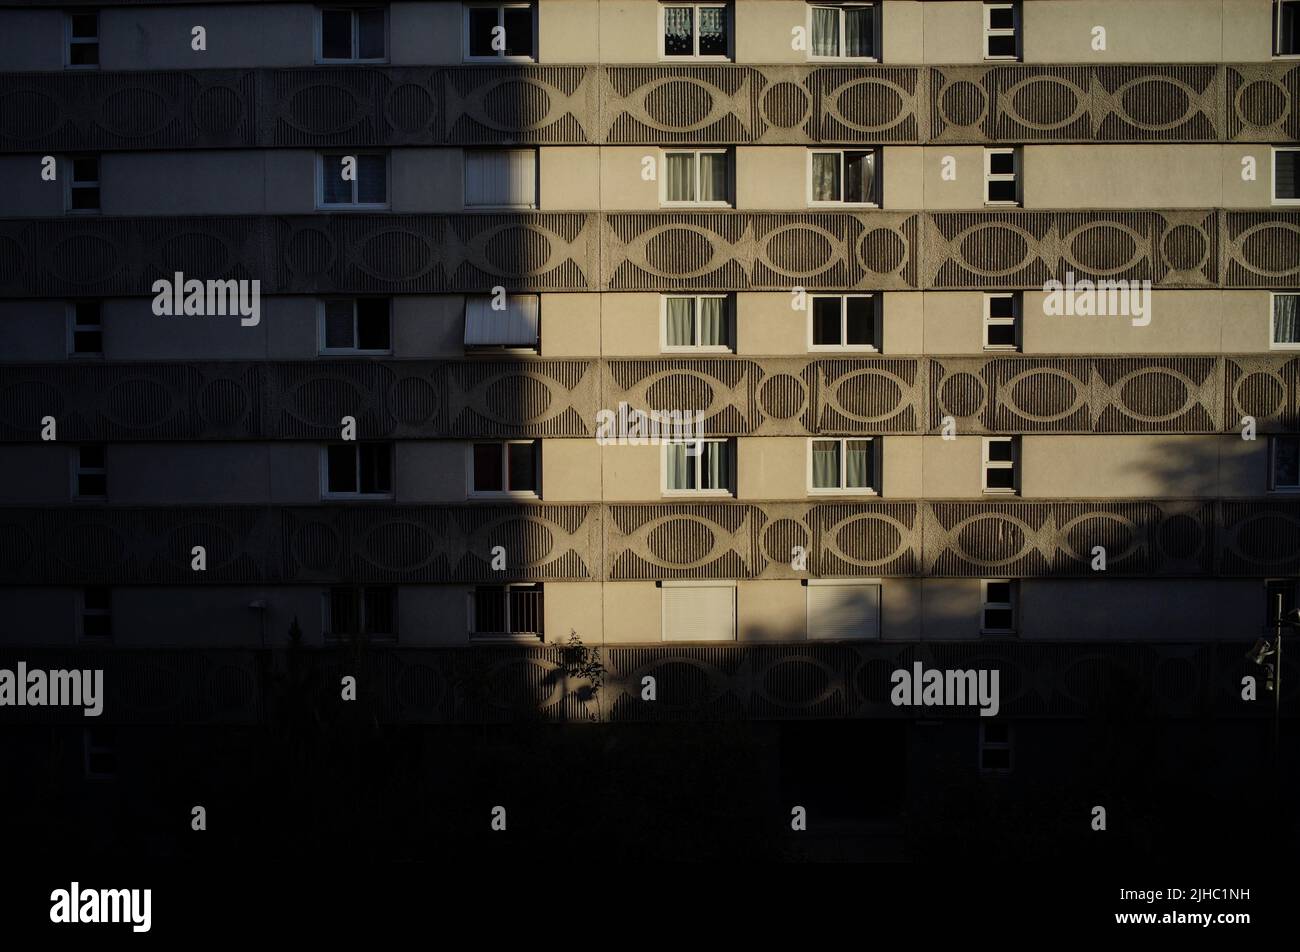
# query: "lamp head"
[1262,649]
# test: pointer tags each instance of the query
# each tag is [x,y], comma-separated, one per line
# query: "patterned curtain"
[681,177]
[713,31]
[681,322]
[1286,319]
[826,177]
[857,464]
[713,322]
[677,31]
[826,464]
[825,31]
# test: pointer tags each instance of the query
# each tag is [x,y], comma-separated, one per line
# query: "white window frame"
[501,57]
[1013,321]
[356,33]
[875,183]
[1008,745]
[464,178]
[812,583]
[844,57]
[1273,444]
[1276,200]
[696,57]
[1013,177]
[1277,29]
[326,494]
[695,154]
[74,184]
[78,471]
[698,462]
[1273,342]
[987,464]
[990,31]
[89,747]
[842,490]
[526,637]
[692,583]
[323,206]
[696,348]
[327,612]
[74,328]
[1012,606]
[327,351]
[69,40]
[876,322]
[534,493]
[83,611]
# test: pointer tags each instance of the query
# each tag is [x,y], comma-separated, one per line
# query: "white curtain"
[825,31]
[857,464]
[858,23]
[826,176]
[681,468]
[713,322]
[826,464]
[713,466]
[713,177]
[681,176]
[680,316]
[1286,319]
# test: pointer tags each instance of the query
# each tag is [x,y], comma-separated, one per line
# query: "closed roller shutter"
[699,613]
[843,612]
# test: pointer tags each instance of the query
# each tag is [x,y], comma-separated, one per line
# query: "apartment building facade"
[860,240]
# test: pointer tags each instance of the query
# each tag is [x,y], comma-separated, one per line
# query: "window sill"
[1275,346]
[1001,492]
[356,497]
[352,208]
[696,205]
[708,493]
[842,349]
[843,59]
[696,350]
[498,208]
[694,58]
[356,353]
[504,495]
[507,637]
[322,61]
[479,60]
[815,204]
[842,492]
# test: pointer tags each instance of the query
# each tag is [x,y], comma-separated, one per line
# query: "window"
[1002,321]
[995,747]
[352,36]
[501,177]
[360,612]
[998,616]
[100,747]
[1286,322]
[695,178]
[843,322]
[83,184]
[695,322]
[1285,465]
[842,30]
[85,329]
[699,611]
[353,180]
[1001,177]
[513,326]
[95,614]
[1286,176]
[506,468]
[1286,27]
[843,611]
[1279,596]
[90,473]
[507,611]
[500,31]
[842,177]
[1000,458]
[358,470]
[83,39]
[695,29]
[841,466]
[702,467]
[356,326]
[1002,31]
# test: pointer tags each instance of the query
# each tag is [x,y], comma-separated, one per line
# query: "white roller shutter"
[843,612]
[516,326]
[699,612]
[501,177]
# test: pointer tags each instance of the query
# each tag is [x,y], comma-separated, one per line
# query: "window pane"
[713,466]
[1002,305]
[91,457]
[345,612]
[826,464]
[1001,478]
[95,598]
[490,610]
[713,31]
[525,609]
[857,464]
[372,179]
[85,169]
[680,467]
[338,325]
[826,321]
[370,34]
[342,464]
[92,484]
[1001,335]
[680,317]
[825,31]
[1002,191]
[1286,463]
[336,191]
[84,54]
[997,619]
[1288,40]
[678,25]
[826,177]
[713,322]
[1001,451]
[1286,319]
[1002,18]
[487,467]
[372,324]
[87,342]
[995,758]
[713,177]
[681,176]
[859,27]
[336,34]
[1287,169]
[523,476]
[85,25]
[1002,45]
[87,313]
[1002,163]
[998,593]
[861,319]
[379,611]
[376,467]
[85,199]
[481,22]
[859,176]
[97,626]
[519,31]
